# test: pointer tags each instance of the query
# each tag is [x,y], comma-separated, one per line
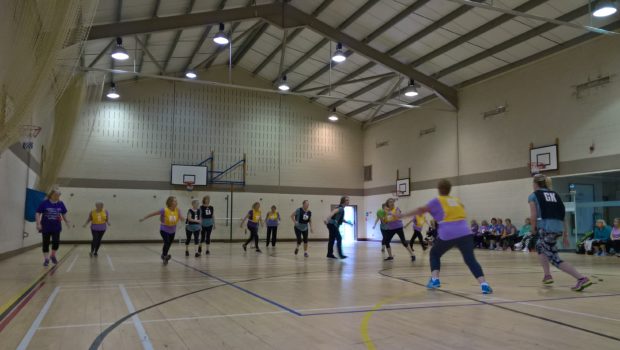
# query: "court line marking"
[144,338]
[72,263]
[542,318]
[366,320]
[564,310]
[37,322]
[110,262]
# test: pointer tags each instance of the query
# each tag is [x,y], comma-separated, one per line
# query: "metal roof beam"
[348,82]
[361,91]
[147,37]
[177,36]
[203,37]
[248,43]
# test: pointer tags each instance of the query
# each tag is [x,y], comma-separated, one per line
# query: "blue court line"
[232,284]
[481,303]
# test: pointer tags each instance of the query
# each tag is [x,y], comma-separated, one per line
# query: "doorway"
[348,232]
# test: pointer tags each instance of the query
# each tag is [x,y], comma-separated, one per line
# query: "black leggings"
[301,235]
[383,233]
[417,234]
[96,243]
[389,234]
[334,236]
[205,234]
[54,236]
[168,239]
[465,244]
[253,236]
[189,234]
[615,244]
[272,233]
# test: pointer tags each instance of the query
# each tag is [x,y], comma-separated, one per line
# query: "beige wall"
[488,156]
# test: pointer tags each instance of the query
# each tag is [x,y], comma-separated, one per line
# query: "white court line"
[72,263]
[144,339]
[110,263]
[37,322]
[561,310]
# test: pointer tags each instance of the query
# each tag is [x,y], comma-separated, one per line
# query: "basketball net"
[189,185]
[28,134]
[536,168]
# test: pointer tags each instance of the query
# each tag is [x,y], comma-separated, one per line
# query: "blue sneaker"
[433,284]
[486,289]
[54,260]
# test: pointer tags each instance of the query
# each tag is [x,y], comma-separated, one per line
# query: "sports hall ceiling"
[444,44]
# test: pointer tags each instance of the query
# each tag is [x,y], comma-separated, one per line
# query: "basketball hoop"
[189,185]
[28,134]
[536,168]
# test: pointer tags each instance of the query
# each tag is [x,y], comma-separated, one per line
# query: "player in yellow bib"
[169,217]
[99,219]
[254,221]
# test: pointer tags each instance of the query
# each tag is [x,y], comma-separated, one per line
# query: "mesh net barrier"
[42,42]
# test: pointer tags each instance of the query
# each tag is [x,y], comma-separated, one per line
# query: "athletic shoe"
[46,263]
[168,257]
[53,259]
[332,256]
[186,253]
[518,245]
[343,257]
[95,254]
[199,249]
[389,258]
[525,250]
[486,289]
[413,258]
[306,255]
[548,279]
[245,248]
[207,252]
[424,247]
[433,284]
[258,250]
[582,284]
[197,255]
[296,251]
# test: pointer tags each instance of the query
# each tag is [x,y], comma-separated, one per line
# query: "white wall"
[541,108]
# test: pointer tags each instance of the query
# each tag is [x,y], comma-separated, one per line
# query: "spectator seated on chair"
[509,235]
[478,236]
[525,236]
[602,233]
[614,237]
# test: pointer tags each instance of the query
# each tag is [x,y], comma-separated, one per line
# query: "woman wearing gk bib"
[169,218]
[99,221]
[547,218]
[302,218]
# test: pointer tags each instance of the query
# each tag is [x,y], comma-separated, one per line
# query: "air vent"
[382,144]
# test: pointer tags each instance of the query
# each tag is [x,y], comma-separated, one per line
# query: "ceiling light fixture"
[333,117]
[604,8]
[191,74]
[221,38]
[112,92]
[283,85]
[338,54]
[119,53]
[411,90]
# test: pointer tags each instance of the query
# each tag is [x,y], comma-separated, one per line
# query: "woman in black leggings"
[333,222]
[254,221]
[99,221]
[207,222]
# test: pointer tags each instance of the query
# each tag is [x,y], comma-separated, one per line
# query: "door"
[348,232]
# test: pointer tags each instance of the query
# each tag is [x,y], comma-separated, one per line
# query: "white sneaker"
[519,245]
[525,250]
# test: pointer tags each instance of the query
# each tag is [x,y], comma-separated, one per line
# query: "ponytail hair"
[343,199]
[542,181]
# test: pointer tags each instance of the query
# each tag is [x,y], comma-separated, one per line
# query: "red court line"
[19,307]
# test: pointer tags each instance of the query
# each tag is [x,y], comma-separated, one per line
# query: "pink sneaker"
[548,279]
[582,284]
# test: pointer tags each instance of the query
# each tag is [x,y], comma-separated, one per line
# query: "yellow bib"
[98,217]
[420,220]
[273,216]
[171,218]
[452,208]
[255,215]
[390,215]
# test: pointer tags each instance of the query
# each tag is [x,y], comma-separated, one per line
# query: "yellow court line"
[11,301]
[366,320]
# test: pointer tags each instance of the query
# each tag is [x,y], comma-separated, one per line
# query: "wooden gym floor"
[275,300]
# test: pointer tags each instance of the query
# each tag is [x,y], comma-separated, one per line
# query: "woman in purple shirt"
[394,226]
[453,231]
[99,221]
[50,214]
